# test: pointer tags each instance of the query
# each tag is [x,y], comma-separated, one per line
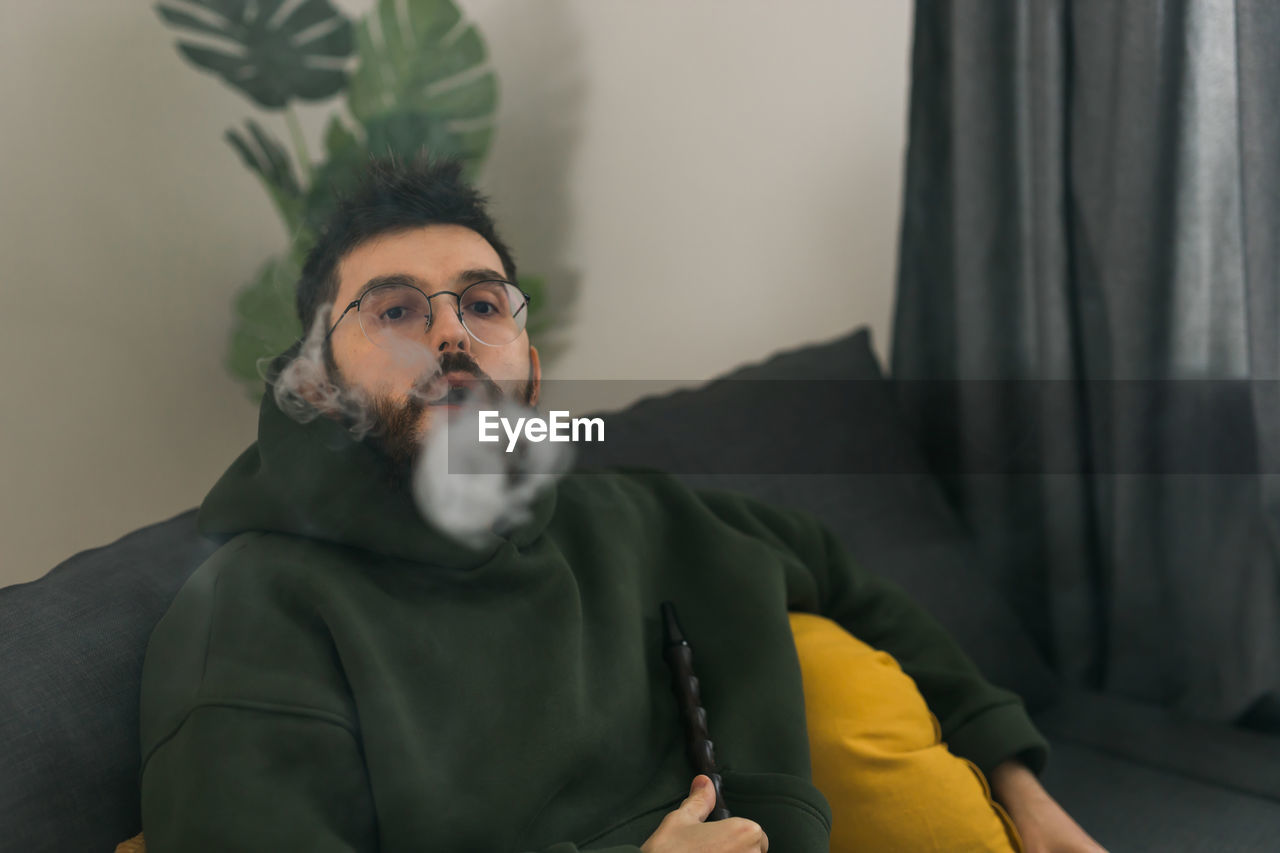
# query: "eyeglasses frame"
[355,303]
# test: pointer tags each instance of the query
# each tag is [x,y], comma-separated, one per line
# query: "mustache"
[457,362]
[460,362]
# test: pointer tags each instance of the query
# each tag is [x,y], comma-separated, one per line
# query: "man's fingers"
[750,833]
[764,840]
[700,802]
[686,829]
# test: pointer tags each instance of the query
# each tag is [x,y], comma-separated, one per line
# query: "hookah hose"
[679,657]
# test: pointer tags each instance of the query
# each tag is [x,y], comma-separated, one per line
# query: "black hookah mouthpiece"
[679,657]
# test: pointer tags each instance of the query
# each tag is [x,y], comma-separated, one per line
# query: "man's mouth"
[452,389]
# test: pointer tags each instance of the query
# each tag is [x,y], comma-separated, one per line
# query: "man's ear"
[535,375]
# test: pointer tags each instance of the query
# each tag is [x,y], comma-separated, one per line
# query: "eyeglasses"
[390,315]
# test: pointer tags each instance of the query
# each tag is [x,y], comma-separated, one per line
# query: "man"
[341,675]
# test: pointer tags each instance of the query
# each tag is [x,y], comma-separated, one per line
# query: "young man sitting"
[343,675]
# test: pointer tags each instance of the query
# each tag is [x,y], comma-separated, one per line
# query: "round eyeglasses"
[390,315]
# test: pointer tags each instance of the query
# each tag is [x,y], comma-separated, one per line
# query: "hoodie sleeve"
[981,722]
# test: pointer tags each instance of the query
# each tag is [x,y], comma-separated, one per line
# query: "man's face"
[404,382]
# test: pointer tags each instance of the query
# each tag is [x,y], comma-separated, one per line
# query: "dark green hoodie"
[341,676]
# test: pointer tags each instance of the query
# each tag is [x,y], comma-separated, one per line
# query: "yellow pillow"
[878,755]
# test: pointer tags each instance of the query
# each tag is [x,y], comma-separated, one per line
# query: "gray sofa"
[815,428]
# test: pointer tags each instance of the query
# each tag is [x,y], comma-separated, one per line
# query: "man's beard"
[395,430]
[397,425]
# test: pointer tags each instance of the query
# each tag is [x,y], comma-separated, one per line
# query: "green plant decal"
[414,75]
[264,155]
[270,58]
[265,322]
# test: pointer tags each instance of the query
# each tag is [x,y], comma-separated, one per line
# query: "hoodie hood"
[315,480]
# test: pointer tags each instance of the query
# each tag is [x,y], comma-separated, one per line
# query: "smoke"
[472,489]
[466,488]
[304,390]
[304,387]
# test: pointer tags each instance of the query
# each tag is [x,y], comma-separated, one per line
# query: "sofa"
[814,428]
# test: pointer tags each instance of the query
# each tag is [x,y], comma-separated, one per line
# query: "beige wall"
[715,179]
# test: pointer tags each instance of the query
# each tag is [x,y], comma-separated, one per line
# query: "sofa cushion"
[71,649]
[1161,738]
[1128,806]
[817,429]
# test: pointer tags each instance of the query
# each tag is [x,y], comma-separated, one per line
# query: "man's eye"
[395,314]
[483,309]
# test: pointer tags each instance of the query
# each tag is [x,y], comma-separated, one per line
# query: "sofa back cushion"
[818,429]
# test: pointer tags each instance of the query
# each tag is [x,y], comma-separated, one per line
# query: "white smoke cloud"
[471,489]
[303,388]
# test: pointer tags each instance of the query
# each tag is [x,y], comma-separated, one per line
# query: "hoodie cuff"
[998,734]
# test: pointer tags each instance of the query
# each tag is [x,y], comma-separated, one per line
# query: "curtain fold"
[1086,324]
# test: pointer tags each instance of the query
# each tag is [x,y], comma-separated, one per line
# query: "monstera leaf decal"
[271,53]
[420,81]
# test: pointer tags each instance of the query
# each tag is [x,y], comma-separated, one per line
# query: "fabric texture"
[879,759]
[1128,806]
[71,647]
[1086,327]
[829,402]
[1212,754]
[336,664]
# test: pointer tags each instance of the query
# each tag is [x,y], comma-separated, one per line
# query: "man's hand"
[683,830]
[1043,824]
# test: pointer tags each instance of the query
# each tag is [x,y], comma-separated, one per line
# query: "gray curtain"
[1087,325]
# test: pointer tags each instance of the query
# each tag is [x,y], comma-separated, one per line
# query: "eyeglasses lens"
[493,312]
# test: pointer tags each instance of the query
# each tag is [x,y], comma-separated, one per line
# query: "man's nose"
[445,330]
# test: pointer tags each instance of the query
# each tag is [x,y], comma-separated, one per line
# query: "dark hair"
[393,195]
